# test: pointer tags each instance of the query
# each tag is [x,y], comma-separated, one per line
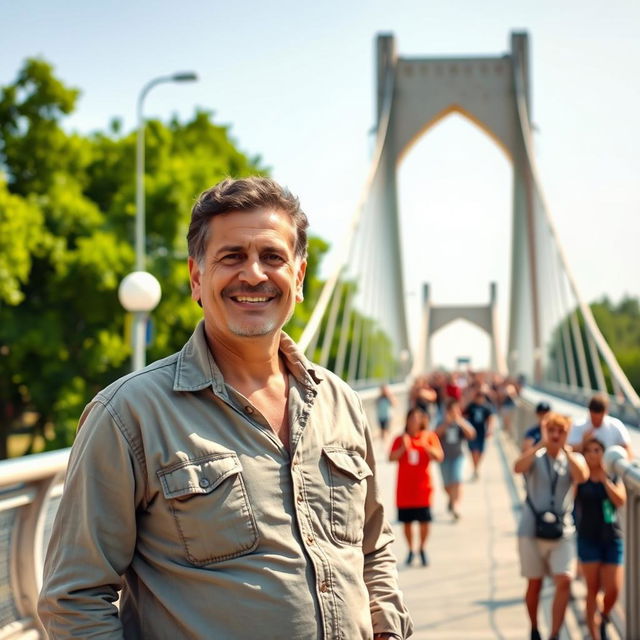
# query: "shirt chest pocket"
[209,503]
[348,473]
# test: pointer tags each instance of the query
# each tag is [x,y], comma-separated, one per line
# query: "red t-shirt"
[454,391]
[414,481]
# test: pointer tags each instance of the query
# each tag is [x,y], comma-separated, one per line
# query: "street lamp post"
[151,289]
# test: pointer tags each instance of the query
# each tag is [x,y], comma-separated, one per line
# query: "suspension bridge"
[359,329]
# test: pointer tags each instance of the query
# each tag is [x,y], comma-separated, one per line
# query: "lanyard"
[554,480]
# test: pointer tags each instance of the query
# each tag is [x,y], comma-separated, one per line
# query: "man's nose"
[253,272]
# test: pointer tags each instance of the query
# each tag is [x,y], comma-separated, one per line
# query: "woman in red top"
[414,450]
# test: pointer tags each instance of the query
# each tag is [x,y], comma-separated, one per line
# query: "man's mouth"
[251,299]
[251,296]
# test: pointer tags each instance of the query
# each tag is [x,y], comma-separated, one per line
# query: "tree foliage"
[620,327]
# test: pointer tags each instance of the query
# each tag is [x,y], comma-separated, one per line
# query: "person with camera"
[545,533]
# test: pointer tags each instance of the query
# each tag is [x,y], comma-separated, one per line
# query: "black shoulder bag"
[549,524]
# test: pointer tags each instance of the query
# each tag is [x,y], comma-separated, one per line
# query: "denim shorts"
[451,469]
[610,552]
[477,444]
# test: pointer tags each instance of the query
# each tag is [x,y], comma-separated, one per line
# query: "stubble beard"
[268,326]
[245,331]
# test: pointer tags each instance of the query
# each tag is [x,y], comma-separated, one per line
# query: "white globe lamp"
[139,292]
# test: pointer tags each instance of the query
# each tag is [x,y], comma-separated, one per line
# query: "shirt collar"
[196,369]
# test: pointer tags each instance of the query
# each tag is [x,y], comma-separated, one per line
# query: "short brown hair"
[599,403]
[244,194]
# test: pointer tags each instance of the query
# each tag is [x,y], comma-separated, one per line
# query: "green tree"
[620,327]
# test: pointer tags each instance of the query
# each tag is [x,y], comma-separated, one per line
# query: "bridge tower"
[414,94]
[435,318]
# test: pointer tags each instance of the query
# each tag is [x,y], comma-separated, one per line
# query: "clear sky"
[295,82]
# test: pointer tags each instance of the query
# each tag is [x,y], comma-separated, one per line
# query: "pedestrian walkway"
[472,588]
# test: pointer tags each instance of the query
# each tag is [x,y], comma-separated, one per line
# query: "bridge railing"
[30,489]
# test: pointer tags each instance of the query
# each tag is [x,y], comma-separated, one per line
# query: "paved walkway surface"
[472,588]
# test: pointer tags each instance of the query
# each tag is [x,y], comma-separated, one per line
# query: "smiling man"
[227,491]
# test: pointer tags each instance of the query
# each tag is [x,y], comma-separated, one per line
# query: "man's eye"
[232,257]
[273,258]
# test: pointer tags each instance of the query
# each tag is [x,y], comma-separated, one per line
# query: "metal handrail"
[29,487]
[34,467]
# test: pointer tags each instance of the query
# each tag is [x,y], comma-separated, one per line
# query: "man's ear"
[302,269]
[194,280]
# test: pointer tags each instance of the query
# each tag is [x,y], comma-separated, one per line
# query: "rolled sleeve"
[94,532]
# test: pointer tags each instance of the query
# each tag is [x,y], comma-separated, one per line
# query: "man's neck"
[247,360]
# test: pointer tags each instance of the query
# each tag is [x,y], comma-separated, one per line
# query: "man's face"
[596,417]
[250,278]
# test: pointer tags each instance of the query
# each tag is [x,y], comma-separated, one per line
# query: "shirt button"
[249,409]
[310,539]
[324,587]
[204,482]
[300,498]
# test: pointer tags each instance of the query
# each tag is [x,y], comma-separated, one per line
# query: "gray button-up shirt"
[179,492]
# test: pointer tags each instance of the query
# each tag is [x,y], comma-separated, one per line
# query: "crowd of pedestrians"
[571,506]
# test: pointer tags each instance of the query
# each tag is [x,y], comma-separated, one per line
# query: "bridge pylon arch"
[414,94]
[436,317]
